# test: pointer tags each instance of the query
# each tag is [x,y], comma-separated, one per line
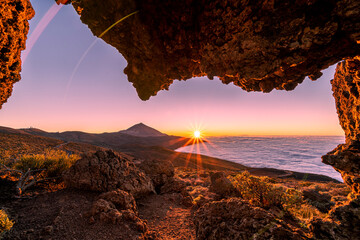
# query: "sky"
[57,93]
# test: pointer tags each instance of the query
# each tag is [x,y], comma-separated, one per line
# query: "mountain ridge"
[142,130]
[136,134]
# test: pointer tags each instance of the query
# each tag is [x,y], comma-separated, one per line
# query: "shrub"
[258,190]
[53,162]
[5,223]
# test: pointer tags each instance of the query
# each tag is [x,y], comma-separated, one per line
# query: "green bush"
[53,162]
[258,190]
[5,223]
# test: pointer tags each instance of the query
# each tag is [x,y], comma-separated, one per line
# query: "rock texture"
[257,45]
[161,171]
[235,219]
[106,171]
[322,201]
[14,16]
[117,207]
[345,223]
[346,157]
[222,186]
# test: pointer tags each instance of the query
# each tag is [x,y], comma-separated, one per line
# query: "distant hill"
[11,130]
[137,134]
[15,142]
[141,130]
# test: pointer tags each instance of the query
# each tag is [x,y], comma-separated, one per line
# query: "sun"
[197,134]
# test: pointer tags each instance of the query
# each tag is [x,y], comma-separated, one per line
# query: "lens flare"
[39,29]
[197,134]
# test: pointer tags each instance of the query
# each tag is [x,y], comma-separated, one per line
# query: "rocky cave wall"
[257,45]
[14,26]
[346,87]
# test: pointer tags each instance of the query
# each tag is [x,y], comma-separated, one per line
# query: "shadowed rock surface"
[346,157]
[159,170]
[345,224]
[14,26]
[106,171]
[235,219]
[257,45]
[221,185]
[117,207]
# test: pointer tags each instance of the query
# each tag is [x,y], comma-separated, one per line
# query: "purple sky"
[99,98]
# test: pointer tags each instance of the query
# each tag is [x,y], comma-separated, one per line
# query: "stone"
[177,186]
[160,171]
[322,201]
[343,223]
[233,218]
[121,199]
[257,45]
[106,171]
[14,27]
[221,185]
[116,207]
[345,158]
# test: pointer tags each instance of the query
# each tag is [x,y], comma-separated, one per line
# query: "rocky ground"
[111,196]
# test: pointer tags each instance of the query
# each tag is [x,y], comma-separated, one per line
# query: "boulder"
[116,207]
[234,218]
[321,201]
[221,185]
[160,171]
[121,199]
[344,223]
[177,186]
[106,171]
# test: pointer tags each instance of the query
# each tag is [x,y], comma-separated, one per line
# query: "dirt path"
[60,216]
[167,217]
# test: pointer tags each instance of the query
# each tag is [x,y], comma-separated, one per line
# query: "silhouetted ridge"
[142,130]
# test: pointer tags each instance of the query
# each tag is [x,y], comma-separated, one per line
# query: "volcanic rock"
[221,185]
[106,171]
[321,201]
[234,218]
[117,207]
[346,157]
[257,45]
[14,26]
[344,223]
[177,186]
[122,200]
[160,171]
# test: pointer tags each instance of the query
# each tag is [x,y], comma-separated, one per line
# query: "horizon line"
[176,133]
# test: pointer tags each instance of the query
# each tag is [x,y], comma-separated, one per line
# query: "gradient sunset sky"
[100,99]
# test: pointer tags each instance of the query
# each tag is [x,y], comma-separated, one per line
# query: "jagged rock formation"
[14,16]
[346,157]
[345,224]
[257,45]
[161,171]
[117,207]
[235,219]
[221,185]
[106,171]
